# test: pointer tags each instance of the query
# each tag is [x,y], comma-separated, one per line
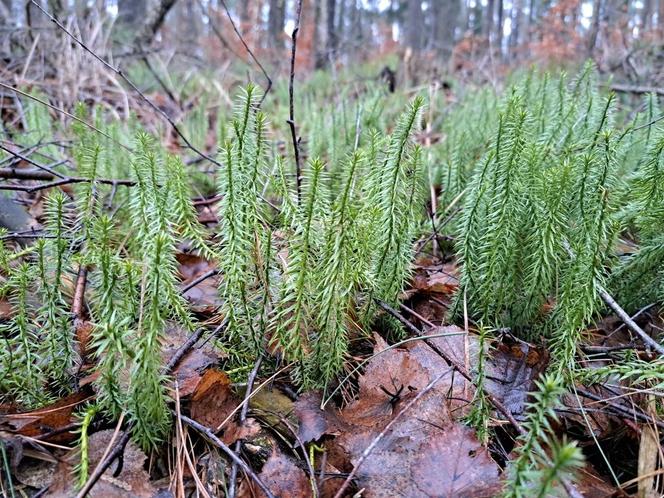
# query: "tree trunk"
[445,19]
[646,15]
[515,33]
[331,35]
[594,26]
[488,18]
[319,50]
[414,21]
[341,26]
[499,27]
[275,23]
[131,13]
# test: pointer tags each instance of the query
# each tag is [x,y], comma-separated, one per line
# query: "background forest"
[331,248]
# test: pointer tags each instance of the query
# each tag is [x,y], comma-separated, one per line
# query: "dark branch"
[291,105]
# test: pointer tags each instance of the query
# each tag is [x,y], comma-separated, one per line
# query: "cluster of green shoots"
[301,262]
[544,201]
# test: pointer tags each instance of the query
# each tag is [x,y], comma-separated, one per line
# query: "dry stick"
[204,276]
[207,432]
[62,111]
[383,433]
[627,320]
[251,54]
[105,463]
[621,411]
[291,106]
[622,314]
[129,82]
[25,174]
[243,418]
[569,487]
[77,304]
[45,169]
[47,173]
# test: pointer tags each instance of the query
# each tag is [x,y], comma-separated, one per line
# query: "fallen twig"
[627,320]
[243,418]
[207,432]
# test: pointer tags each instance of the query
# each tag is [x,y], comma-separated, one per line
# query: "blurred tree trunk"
[499,27]
[660,15]
[414,24]
[331,40]
[319,50]
[647,15]
[6,12]
[341,26]
[530,21]
[488,18]
[594,26]
[141,20]
[245,17]
[276,17]
[131,13]
[445,19]
[515,32]
[478,18]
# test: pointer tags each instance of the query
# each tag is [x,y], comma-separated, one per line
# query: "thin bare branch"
[120,73]
[251,54]
[291,105]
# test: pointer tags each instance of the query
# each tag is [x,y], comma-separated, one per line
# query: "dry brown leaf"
[192,265]
[455,464]
[213,400]
[247,430]
[193,364]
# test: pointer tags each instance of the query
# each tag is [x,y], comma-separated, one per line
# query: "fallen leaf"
[47,419]
[312,421]
[406,453]
[282,477]
[235,431]
[455,464]
[193,364]
[213,399]
[192,265]
[132,481]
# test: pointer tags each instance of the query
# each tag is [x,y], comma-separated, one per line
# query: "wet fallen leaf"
[282,477]
[191,266]
[36,473]
[193,364]
[406,455]
[455,464]
[131,482]
[47,419]
[248,429]
[312,421]
[275,409]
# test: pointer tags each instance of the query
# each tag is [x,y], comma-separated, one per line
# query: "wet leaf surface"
[283,478]
[132,481]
